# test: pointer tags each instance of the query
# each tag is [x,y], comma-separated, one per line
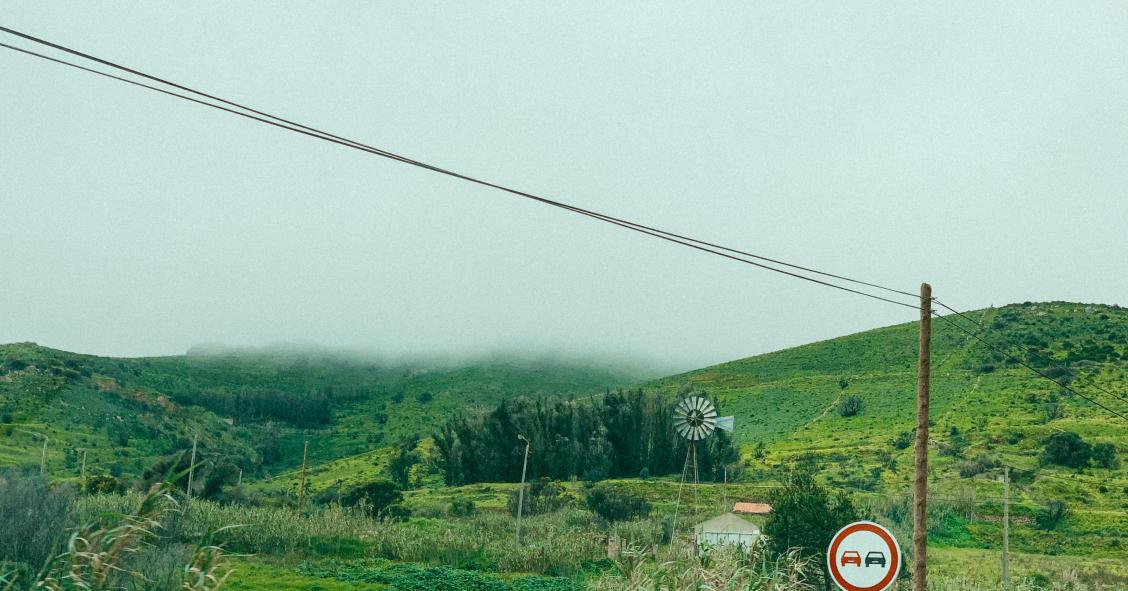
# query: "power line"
[1024,364]
[267,118]
[1028,350]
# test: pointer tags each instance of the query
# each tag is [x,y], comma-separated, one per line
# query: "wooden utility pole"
[192,463]
[301,486]
[84,468]
[521,491]
[43,459]
[920,486]
[1006,526]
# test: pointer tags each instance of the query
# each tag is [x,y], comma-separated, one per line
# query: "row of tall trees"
[623,433]
[248,404]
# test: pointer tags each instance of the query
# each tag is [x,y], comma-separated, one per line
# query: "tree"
[613,504]
[403,458]
[374,497]
[541,496]
[850,406]
[1104,455]
[805,517]
[1067,449]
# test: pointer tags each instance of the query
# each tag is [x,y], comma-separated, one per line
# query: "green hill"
[252,410]
[986,410]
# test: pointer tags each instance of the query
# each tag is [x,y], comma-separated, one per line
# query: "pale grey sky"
[978,146]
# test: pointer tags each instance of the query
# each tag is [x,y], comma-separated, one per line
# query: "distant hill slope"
[984,409]
[253,410]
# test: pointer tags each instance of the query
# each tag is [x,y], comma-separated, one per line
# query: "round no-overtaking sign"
[864,556]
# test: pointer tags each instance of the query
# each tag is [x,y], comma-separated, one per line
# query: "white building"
[728,528]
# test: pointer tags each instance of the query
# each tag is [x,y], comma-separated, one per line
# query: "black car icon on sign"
[875,558]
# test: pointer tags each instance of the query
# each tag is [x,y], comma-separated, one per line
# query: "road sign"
[864,556]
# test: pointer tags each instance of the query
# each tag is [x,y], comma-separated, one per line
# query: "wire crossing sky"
[985,159]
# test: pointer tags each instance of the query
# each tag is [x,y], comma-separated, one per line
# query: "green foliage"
[1050,516]
[903,440]
[463,508]
[102,484]
[616,435]
[374,498]
[35,516]
[615,504]
[541,496]
[1105,455]
[410,577]
[805,516]
[1067,449]
[404,457]
[850,406]
[979,465]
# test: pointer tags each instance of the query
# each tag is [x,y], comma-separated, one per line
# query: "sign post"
[864,556]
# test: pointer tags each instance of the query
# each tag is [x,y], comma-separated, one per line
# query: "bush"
[1052,411]
[372,497]
[463,508]
[1052,515]
[902,441]
[541,496]
[35,518]
[850,406]
[977,466]
[613,504]
[1105,456]
[102,484]
[1067,449]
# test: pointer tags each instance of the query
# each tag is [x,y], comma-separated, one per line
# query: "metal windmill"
[695,418]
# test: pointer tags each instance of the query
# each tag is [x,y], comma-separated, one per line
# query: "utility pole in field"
[84,468]
[192,463]
[43,459]
[920,485]
[301,486]
[1006,526]
[521,491]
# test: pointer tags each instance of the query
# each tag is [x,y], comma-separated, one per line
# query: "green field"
[253,411]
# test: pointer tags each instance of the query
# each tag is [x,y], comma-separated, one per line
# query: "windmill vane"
[695,418]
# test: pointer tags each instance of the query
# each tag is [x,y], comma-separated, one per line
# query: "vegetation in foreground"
[375,495]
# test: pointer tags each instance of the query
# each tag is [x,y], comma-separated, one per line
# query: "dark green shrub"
[541,496]
[463,508]
[979,465]
[102,484]
[1050,516]
[902,441]
[850,406]
[1067,449]
[613,504]
[372,497]
[1105,456]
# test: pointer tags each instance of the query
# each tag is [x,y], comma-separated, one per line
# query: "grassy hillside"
[985,409]
[254,411]
[124,412]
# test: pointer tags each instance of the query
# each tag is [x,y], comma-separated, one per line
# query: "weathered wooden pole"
[301,487]
[521,491]
[192,463]
[920,485]
[1006,527]
[43,459]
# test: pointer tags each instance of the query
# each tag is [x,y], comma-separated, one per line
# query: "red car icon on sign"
[851,557]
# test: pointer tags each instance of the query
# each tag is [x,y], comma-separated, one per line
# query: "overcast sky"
[978,146]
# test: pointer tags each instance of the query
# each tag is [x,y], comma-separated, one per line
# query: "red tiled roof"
[752,508]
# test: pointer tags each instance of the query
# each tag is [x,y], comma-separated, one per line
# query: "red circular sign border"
[882,533]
